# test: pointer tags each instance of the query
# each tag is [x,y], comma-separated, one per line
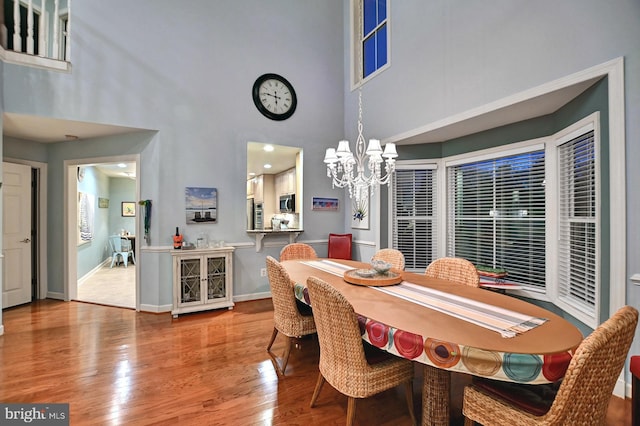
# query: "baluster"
[17,40]
[42,36]
[30,28]
[67,42]
[56,31]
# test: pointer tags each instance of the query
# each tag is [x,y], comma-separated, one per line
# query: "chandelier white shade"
[363,170]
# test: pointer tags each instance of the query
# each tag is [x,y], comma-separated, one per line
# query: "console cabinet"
[202,279]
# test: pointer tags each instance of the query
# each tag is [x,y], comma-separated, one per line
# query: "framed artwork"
[103,203]
[360,212]
[328,204]
[128,208]
[201,205]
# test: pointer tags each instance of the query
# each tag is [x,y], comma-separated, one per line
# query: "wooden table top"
[555,336]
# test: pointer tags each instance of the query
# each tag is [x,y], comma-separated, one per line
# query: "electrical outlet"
[263,272]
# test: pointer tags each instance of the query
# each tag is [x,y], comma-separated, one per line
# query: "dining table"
[448,327]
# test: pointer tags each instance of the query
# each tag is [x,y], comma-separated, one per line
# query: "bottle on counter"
[177,240]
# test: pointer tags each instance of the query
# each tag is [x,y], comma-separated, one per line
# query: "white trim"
[70,273]
[579,128]
[252,296]
[10,57]
[42,221]
[496,152]
[156,309]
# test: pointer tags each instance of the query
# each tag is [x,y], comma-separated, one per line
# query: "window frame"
[357,38]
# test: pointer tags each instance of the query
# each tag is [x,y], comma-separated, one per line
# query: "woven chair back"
[454,269]
[392,256]
[583,397]
[286,316]
[342,358]
[297,251]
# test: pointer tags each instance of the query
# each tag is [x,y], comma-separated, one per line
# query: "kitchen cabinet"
[286,182]
[264,193]
[202,279]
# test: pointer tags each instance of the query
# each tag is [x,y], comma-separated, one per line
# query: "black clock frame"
[262,109]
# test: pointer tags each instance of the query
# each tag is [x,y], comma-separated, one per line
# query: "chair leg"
[468,422]
[285,355]
[113,259]
[351,411]
[409,393]
[273,338]
[316,391]
[125,258]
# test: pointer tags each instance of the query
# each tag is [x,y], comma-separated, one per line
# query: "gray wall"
[186,74]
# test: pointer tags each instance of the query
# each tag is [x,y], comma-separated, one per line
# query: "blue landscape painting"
[201,205]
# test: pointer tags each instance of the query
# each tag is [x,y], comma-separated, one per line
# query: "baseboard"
[55,295]
[93,271]
[254,296]
[1,329]
[156,309]
[620,388]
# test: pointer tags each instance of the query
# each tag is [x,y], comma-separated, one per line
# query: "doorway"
[24,233]
[95,192]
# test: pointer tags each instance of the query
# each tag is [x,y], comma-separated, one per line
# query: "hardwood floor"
[118,367]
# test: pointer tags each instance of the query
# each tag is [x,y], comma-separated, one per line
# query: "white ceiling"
[281,158]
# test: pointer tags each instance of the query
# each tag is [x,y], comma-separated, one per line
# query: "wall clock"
[274,97]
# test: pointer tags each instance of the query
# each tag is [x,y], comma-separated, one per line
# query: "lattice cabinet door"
[203,279]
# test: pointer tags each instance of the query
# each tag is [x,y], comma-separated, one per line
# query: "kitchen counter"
[260,234]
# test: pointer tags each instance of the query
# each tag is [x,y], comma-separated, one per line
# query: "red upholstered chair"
[635,389]
[340,246]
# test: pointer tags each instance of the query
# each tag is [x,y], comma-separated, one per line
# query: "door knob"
[26,240]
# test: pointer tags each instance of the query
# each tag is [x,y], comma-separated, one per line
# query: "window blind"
[496,215]
[577,221]
[414,216]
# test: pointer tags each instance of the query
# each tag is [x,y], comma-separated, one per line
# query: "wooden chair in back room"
[339,246]
[392,256]
[454,269]
[297,251]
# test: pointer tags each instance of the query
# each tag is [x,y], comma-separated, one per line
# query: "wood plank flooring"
[118,367]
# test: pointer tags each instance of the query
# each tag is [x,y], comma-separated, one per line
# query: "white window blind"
[496,215]
[414,216]
[577,275]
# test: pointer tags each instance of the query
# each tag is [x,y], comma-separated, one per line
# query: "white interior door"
[16,239]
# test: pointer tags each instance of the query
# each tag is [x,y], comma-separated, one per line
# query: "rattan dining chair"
[297,251]
[392,256]
[344,362]
[454,269]
[581,399]
[287,317]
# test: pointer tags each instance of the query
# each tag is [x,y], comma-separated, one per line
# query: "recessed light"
[122,165]
[267,166]
[268,148]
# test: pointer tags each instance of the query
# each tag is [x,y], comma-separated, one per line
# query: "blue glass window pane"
[382,10]
[369,51]
[370,13]
[381,43]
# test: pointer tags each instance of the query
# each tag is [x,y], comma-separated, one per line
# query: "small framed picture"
[327,204]
[103,203]
[128,208]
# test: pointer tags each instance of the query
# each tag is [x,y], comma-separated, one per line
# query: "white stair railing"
[52,42]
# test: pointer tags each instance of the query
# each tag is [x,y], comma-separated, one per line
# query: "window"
[413,226]
[530,208]
[577,263]
[371,37]
[496,214]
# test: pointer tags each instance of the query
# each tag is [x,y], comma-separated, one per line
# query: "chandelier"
[348,171]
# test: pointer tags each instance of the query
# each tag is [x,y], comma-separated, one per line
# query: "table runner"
[506,322]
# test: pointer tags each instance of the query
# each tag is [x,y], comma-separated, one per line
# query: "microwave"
[288,203]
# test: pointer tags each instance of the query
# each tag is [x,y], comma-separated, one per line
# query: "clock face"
[274,97]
